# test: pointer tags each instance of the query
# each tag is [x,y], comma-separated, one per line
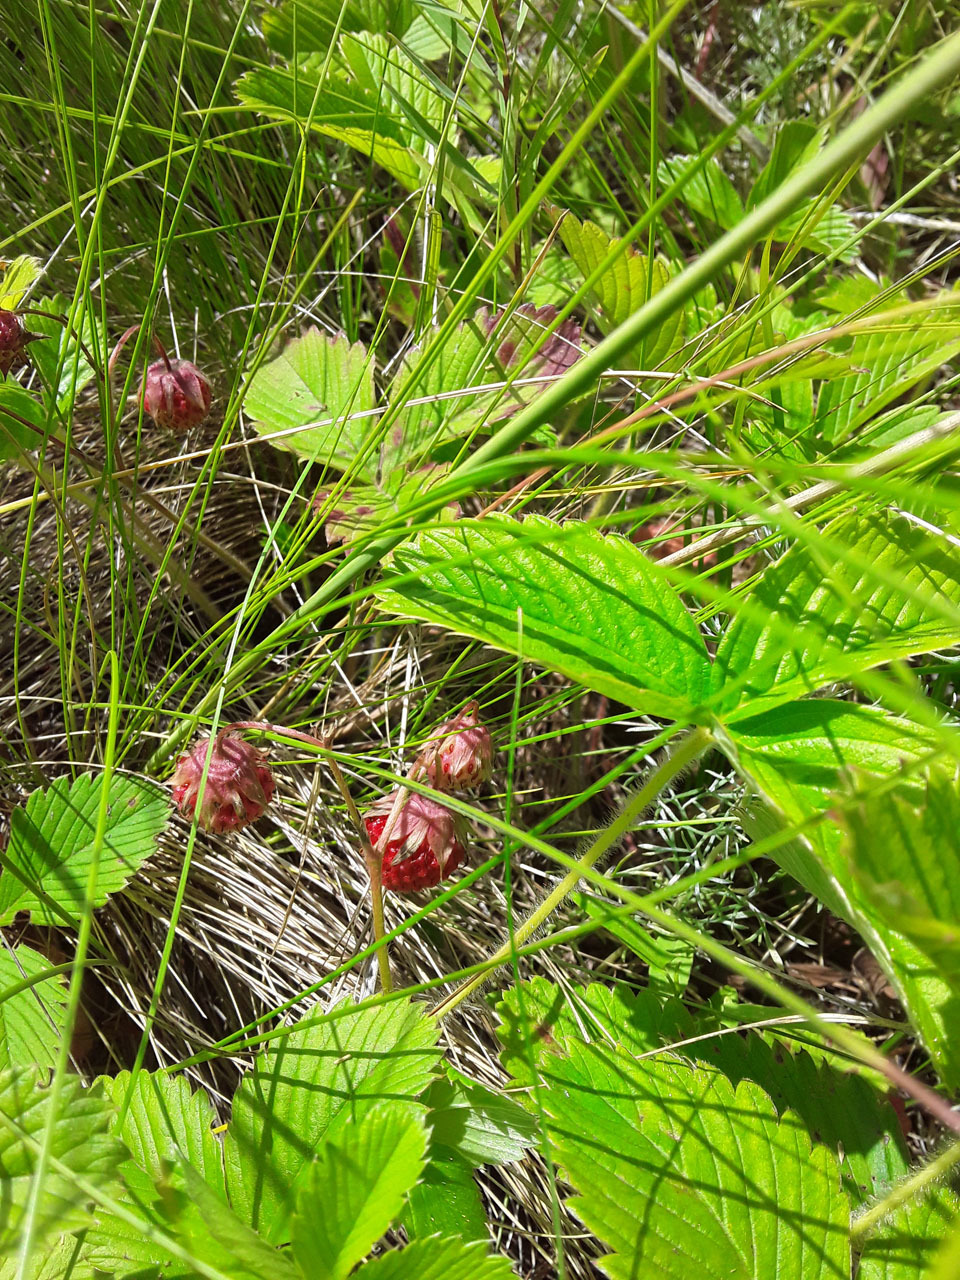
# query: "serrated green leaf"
[341,110]
[363,508]
[165,1128]
[166,1123]
[374,98]
[310,25]
[317,378]
[52,838]
[905,1245]
[625,285]
[81,1141]
[308,1083]
[818,225]
[214,1233]
[873,588]
[471,362]
[31,1021]
[709,193]
[480,1126]
[840,1107]
[884,364]
[592,607]
[912,879]
[61,351]
[23,420]
[356,1187]
[59,1261]
[537,1016]
[668,959]
[437,1259]
[680,1174]
[446,1201]
[796,755]
[117,1248]
[17,279]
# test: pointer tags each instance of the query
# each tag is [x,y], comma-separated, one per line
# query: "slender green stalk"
[839,154]
[373,861]
[862,1226]
[688,749]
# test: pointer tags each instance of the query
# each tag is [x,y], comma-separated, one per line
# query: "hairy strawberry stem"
[124,339]
[684,753]
[862,1226]
[371,858]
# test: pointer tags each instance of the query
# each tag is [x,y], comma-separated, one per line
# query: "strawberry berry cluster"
[420,841]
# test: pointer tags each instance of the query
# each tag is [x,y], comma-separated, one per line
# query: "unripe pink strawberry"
[424,845]
[175,394]
[460,754]
[238,788]
[14,341]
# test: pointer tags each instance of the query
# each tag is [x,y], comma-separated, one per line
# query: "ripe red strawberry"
[175,394]
[460,754]
[423,847]
[238,788]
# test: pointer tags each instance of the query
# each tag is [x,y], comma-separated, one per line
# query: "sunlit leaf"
[31,1021]
[593,607]
[306,1085]
[355,1189]
[873,588]
[51,847]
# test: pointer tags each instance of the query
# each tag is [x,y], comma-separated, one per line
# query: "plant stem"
[370,857]
[686,751]
[866,1222]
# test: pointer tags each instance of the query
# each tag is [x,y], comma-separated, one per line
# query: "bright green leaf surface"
[795,755]
[680,1174]
[306,1085]
[472,361]
[23,421]
[708,193]
[911,877]
[310,25]
[363,508]
[875,589]
[317,378]
[62,352]
[167,1123]
[215,1234]
[356,1188]
[592,607]
[17,278]
[481,1126]
[57,1261]
[884,363]
[446,1201]
[30,1021]
[625,285]
[840,1107]
[904,1246]
[438,1260]
[52,841]
[81,1141]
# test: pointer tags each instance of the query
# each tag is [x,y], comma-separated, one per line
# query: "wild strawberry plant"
[586,399]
